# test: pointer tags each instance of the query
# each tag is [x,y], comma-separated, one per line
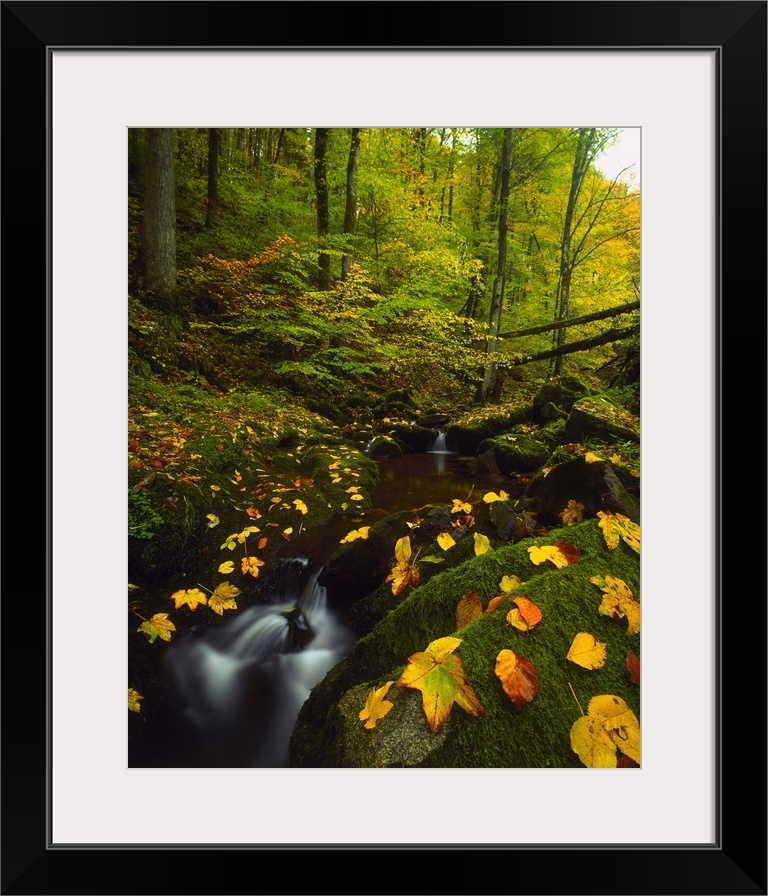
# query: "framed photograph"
[81,80]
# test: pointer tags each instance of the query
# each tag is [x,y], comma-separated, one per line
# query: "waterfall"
[438,444]
[240,685]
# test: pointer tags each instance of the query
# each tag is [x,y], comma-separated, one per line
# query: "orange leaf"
[468,608]
[633,667]
[262,544]
[525,615]
[517,677]
[568,551]
[495,601]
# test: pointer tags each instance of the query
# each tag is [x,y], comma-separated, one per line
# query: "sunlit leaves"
[618,602]
[355,534]
[376,706]
[490,497]
[482,544]
[518,678]
[300,505]
[572,513]
[159,626]
[548,552]
[586,651]
[591,458]
[439,674]
[460,506]
[616,526]
[446,540]
[133,700]
[227,567]
[191,597]
[525,615]
[223,598]
[608,725]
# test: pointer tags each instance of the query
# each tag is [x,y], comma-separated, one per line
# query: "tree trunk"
[489,378]
[323,218]
[581,161]
[212,212]
[350,212]
[159,214]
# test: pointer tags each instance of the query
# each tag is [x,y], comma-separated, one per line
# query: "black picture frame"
[736,863]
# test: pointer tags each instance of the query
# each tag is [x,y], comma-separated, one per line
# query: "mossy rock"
[560,392]
[384,447]
[537,736]
[412,438]
[466,438]
[516,453]
[596,417]
[553,434]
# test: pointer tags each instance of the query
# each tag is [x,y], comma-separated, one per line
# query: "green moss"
[538,736]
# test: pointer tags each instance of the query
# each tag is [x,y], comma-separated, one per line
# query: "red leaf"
[633,667]
[625,762]
[156,463]
[568,551]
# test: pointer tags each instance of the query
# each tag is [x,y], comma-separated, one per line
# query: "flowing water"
[236,689]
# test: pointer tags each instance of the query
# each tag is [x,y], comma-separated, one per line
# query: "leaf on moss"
[227,567]
[355,534]
[608,725]
[446,540]
[518,678]
[482,544]
[510,583]
[586,651]
[404,572]
[468,608]
[540,554]
[616,526]
[525,615]
[633,667]
[618,602]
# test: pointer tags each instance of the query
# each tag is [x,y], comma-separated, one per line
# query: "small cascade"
[438,445]
[240,685]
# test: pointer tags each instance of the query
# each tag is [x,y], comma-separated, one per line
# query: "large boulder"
[535,736]
[594,485]
[384,447]
[465,435]
[596,417]
[556,395]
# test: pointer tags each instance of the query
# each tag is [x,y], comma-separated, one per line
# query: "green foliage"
[143,519]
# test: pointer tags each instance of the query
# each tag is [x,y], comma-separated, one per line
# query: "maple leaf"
[403,573]
[547,552]
[355,534]
[616,526]
[633,667]
[572,513]
[568,551]
[439,674]
[586,651]
[525,615]
[192,598]
[482,544]
[227,567]
[517,677]
[376,706]
[591,458]
[490,497]
[223,598]
[618,602]
[251,565]
[446,540]
[460,506]
[468,608]
[133,700]
[609,724]
[159,626]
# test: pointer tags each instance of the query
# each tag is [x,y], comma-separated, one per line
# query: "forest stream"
[236,689]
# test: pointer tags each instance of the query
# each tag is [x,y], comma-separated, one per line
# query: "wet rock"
[413,438]
[299,631]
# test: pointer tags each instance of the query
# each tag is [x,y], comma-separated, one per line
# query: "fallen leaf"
[608,725]
[213,520]
[517,677]
[227,567]
[223,598]
[572,513]
[568,551]
[403,573]
[482,544]
[616,526]
[192,598]
[253,512]
[446,540]
[376,706]
[251,565]
[618,602]
[547,552]
[633,667]
[525,615]
[468,608]
[460,506]
[494,602]
[133,700]
[490,497]
[159,626]
[586,651]
[591,458]
[355,534]
[509,583]
[439,674]
[432,558]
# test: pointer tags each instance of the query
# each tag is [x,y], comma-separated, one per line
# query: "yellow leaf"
[509,583]
[403,550]
[591,458]
[525,615]
[376,706]
[547,552]
[355,534]
[460,506]
[482,545]
[586,651]
[251,565]
[618,602]
[192,598]
[353,489]
[572,513]
[159,626]
[358,498]
[490,497]
[249,530]
[615,458]
[468,608]
[300,505]
[445,540]
[616,526]
[213,520]
[223,598]
[133,700]
[608,725]
[227,567]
